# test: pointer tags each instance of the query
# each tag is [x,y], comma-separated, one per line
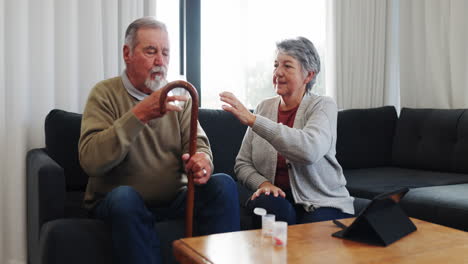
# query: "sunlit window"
[238,44]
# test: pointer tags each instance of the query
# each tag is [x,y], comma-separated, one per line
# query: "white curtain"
[362,48]
[51,55]
[434,53]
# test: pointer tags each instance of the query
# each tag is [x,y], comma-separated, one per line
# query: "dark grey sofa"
[425,150]
[59,229]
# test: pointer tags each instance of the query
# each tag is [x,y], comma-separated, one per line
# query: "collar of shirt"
[139,95]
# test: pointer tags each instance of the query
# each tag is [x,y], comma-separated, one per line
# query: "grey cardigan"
[309,148]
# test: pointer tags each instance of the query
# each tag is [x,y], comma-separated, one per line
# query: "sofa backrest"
[365,137]
[225,133]
[62,132]
[432,139]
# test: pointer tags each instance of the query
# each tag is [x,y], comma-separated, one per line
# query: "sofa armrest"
[45,195]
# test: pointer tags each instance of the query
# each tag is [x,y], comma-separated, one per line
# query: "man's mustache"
[159,69]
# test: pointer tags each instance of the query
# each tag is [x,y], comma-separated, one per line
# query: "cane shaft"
[192,145]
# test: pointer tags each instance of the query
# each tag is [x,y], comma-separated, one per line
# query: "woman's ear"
[309,77]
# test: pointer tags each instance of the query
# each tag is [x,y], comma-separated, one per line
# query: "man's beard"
[159,80]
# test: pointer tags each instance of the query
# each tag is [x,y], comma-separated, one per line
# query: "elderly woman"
[287,156]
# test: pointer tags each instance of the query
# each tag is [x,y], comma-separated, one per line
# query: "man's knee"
[218,203]
[222,182]
[221,188]
[124,201]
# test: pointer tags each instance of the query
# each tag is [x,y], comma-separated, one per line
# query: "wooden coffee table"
[313,243]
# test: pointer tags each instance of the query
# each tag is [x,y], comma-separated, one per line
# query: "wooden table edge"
[186,254]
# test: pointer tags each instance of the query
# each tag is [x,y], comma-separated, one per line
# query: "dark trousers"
[286,210]
[131,222]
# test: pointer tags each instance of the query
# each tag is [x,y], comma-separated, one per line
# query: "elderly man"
[136,157]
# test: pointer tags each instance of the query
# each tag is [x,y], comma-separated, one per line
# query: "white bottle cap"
[259,211]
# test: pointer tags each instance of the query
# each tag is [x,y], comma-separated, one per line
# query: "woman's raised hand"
[235,107]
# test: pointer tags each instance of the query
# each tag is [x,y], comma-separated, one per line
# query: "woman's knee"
[323,214]
[279,206]
[270,201]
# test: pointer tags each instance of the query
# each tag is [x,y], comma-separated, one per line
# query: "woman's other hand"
[268,188]
[236,108]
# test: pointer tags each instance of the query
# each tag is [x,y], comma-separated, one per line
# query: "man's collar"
[139,95]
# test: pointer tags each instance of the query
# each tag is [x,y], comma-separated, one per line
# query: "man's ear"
[126,53]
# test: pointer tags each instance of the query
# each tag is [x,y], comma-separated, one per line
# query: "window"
[238,44]
[167,11]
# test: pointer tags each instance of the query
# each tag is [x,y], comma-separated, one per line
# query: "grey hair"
[144,22]
[303,50]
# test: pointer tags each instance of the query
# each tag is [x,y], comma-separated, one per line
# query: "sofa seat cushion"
[445,205]
[75,241]
[367,183]
[89,241]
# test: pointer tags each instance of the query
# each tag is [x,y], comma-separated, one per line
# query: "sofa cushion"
[225,133]
[75,241]
[369,182]
[445,205]
[432,139]
[365,137]
[89,241]
[62,132]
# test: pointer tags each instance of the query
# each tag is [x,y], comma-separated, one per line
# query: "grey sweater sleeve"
[244,168]
[303,146]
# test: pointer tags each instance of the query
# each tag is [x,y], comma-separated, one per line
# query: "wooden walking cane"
[192,144]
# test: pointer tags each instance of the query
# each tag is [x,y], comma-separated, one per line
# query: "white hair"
[144,22]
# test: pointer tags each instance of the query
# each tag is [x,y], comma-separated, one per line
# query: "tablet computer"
[382,221]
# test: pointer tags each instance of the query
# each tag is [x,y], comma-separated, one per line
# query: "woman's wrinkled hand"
[268,188]
[235,107]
